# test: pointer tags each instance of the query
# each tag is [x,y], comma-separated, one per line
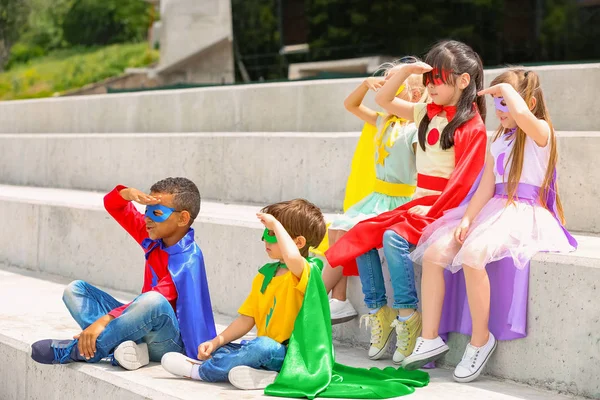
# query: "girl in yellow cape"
[382,177]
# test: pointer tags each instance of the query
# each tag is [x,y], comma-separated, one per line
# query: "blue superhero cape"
[193,308]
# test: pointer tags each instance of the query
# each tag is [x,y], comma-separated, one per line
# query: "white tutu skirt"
[518,231]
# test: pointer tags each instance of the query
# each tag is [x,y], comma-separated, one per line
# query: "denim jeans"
[149,318]
[402,274]
[261,353]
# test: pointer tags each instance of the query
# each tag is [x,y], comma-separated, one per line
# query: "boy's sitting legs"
[149,321]
[262,354]
[87,303]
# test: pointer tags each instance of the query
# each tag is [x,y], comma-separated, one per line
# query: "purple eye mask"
[498,102]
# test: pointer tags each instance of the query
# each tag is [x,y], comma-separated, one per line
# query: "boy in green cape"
[277,294]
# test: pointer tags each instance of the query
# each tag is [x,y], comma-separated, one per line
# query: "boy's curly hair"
[300,217]
[186,195]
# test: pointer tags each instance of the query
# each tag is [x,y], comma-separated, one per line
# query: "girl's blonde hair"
[414,81]
[527,83]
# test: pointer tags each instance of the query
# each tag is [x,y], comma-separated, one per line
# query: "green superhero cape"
[309,369]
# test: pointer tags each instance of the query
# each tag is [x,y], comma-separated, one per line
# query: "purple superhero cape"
[509,287]
[193,308]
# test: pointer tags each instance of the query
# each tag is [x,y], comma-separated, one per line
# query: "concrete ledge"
[256,168]
[40,314]
[315,106]
[67,233]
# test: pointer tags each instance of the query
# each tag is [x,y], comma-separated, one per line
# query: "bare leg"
[333,278]
[478,292]
[433,290]
[339,290]
[433,286]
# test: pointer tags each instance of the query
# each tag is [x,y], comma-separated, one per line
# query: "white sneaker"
[247,378]
[426,350]
[341,311]
[132,356]
[178,364]
[473,361]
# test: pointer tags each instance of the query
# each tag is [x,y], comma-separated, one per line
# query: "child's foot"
[407,333]
[132,356]
[50,351]
[179,365]
[247,378]
[341,311]
[426,351]
[473,361]
[381,330]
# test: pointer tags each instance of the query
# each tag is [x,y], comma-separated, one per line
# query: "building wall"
[188,28]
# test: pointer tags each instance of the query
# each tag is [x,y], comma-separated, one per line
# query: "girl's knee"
[391,238]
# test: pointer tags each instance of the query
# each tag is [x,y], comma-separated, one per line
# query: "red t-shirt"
[156,275]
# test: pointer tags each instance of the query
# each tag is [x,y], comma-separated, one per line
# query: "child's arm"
[118,204]
[353,102]
[484,193]
[289,250]
[386,96]
[535,128]
[238,328]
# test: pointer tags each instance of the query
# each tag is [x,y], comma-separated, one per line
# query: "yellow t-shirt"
[275,310]
[434,161]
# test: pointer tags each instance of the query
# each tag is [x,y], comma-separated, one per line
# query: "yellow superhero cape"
[361,180]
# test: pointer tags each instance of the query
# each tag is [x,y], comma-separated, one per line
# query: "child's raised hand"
[414,68]
[495,90]
[132,194]
[205,350]
[267,220]
[420,210]
[460,233]
[374,83]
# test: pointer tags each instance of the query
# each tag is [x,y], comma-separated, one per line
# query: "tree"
[101,22]
[13,14]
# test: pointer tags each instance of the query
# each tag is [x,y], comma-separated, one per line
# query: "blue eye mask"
[166,212]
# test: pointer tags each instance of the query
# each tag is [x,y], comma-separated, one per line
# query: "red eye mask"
[436,77]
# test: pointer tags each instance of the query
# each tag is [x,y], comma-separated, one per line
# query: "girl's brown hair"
[527,83]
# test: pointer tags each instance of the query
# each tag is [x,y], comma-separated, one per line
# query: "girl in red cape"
[450,155]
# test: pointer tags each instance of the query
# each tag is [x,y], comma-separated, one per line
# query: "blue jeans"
[402,274]
[261,353]
[149,318]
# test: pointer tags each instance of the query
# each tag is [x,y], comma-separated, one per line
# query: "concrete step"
[246,167]
[67,233]
[31,309]
[311,106]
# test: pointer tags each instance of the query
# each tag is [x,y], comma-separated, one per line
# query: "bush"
[68,69]
[101,22]
[22,53]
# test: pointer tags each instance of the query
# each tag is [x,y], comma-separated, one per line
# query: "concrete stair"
[312,106]
[246,167]
[77,239]
[247,146]
[31,309]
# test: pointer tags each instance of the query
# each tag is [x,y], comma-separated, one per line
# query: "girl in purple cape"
[514,213]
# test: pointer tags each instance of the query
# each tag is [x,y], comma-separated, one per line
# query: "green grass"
[69,69]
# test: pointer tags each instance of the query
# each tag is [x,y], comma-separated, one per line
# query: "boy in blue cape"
[173,313]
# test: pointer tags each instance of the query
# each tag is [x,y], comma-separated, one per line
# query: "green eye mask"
[269,236]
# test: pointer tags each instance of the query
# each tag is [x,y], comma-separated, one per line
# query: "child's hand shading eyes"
[495,90]
[132,194]
[374,83]
[267,220]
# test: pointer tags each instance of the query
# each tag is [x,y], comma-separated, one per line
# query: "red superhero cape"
[469,149]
